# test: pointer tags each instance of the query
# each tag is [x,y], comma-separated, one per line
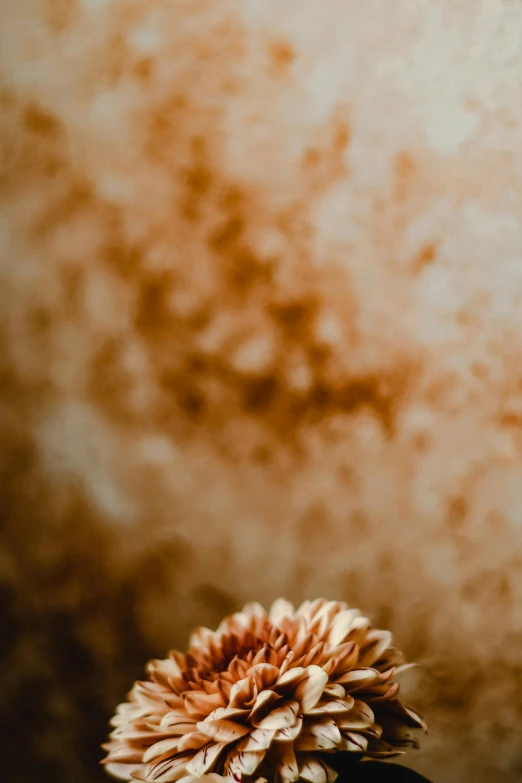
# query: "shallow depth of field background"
[260,335]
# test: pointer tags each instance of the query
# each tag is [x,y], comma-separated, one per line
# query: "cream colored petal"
[354,742]
[377,642]
[258,739]
[205,759]
[124,755]
[358,678]
[167,770]
[360,717]
[280,718]
[177,722]
[210,777]
[264,702]
[334,689]
[386,696]
[266,671]
[315,770]
[319,736]
[279,609]
[193,741]
[254,609]
[121,771]
[201,637]
[310,689]
[332,706]
[411,717]
[223,730]
[241,692]
[341,626]
[199,704]
[289,733]
[159,748]
[227,713]
[290,678]
[241,763]
[286,763]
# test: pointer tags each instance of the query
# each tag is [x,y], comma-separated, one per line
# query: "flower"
[273,693]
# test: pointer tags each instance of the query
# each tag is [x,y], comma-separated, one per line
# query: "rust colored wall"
[260,334]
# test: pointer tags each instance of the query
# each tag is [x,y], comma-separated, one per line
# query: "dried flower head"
[272,694]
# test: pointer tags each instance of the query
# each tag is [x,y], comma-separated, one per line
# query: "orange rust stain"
[40,121]
[311,158]
[424,257]
[405,170]
[342,137]
[282,55]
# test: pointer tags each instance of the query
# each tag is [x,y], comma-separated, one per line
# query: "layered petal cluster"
[273,694]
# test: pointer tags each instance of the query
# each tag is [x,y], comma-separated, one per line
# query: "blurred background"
[261,288]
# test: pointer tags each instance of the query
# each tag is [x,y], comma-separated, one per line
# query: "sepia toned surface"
[261,287]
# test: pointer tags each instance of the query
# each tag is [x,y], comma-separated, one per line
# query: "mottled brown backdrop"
[260,334]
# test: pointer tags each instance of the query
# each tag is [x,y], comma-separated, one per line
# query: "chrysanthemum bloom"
[268,694]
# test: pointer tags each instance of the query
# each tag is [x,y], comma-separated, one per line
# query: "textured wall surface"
[260,334]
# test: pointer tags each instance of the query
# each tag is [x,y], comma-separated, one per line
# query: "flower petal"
[332,706]
[386,696]
[262,704]
[280,718]
[358,678]
[376,644]
[335,690]
[193,741]
[223,730]
[241,763]
[310,689]
[315,770]
[280,609]
[360,717]
[341,626]
[290,677]
[122,771]
[353,742]
[205,759]
[200,704]
[289,733]
[259,739]
[159,748]
[319,736]
[286,763]
[177,722]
